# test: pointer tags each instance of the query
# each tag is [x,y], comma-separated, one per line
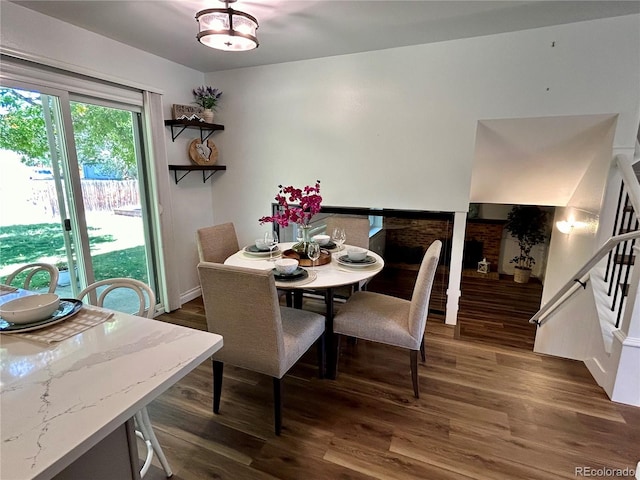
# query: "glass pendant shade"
[227,29]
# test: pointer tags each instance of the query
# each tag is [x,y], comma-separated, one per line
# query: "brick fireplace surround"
[407,239]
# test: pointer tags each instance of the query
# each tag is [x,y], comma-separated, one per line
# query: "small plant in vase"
[306,203]
[207,97]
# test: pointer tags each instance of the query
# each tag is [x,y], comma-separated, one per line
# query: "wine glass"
[338,236]
[271,239]
[313,252]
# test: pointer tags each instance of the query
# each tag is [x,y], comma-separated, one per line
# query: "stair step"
[626,230]
[625,259]
[628,208]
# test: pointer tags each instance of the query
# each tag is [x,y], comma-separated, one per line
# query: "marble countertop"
[58,401]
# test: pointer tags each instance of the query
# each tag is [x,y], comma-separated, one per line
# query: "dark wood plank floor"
[487,411]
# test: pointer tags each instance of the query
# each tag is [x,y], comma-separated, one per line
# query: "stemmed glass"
[338,236]
[271,240]
[313,252]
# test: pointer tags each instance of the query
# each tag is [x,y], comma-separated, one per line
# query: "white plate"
[247,251]
[367,262]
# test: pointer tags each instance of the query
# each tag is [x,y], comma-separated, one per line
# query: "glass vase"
[304,238]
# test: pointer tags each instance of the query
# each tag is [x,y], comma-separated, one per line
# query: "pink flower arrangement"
[308,202]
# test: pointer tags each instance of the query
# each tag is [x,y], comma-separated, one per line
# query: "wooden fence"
[98,195]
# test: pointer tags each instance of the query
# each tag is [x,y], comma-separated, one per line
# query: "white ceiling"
[301,29]
[542,161]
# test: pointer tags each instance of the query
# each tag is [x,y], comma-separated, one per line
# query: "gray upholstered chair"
[356,228]
[217,243]
[142,298]
[241,304]
[31,270]
[390,320]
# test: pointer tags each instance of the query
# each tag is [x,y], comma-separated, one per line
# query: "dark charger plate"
[298,274]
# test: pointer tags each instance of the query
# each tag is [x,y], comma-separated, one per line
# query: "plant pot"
[207,115]
[521,275]
[64,277]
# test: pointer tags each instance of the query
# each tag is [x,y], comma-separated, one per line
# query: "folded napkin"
[5,289]
[86,318]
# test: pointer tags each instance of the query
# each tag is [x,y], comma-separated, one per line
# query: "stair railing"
[581,277]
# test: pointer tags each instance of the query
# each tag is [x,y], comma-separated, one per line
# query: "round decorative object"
[203,153]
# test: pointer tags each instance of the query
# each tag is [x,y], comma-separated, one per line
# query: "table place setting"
[288,273]
[47,318]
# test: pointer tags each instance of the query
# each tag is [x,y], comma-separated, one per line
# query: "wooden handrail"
[578,278]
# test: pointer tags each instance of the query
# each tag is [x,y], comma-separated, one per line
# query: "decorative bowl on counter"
[31,308]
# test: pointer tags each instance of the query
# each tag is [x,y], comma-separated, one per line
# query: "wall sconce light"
[564,226]
[567,226]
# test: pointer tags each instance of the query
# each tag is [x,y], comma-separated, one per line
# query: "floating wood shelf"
[178,126]
[207,171]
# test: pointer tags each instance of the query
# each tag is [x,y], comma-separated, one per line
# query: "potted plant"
[528,224]
[207,97]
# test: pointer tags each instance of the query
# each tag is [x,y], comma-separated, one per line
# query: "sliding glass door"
[70,191]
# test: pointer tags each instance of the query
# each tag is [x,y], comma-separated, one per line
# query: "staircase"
[595,317]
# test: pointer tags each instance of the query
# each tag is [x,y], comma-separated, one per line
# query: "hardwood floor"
[486,411]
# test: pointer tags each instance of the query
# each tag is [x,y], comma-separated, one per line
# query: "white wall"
[396,128]
[393,128]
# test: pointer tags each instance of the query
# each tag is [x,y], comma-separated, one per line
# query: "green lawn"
[29,243]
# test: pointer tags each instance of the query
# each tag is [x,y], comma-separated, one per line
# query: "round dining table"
[327,277]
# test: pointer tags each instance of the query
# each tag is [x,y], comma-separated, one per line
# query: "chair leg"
[414,371]
[422,354]
[277,404]
[217,385]
[320,347]
[150,435]
[336,354]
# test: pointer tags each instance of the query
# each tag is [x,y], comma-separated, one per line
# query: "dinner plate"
[345,260]
[329,245]
[67,309]
[254,252]
[298,274]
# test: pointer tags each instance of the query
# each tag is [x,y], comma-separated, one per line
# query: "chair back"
[95,295]
[32,269]
[422,290]
[356,228]
[241,304]
[217,243]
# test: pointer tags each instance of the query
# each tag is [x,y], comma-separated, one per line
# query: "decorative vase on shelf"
[304,239]
[207,115]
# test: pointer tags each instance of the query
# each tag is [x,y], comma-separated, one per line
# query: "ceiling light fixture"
[227,29]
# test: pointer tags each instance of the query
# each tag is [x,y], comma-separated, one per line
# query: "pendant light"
[227,29]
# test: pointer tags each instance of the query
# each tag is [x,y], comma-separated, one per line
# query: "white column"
[455,267]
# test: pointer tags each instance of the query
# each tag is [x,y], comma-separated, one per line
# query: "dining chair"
[356,228]
[390,320]
[217,243]
[120,291]
[242,305]
[31,270]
